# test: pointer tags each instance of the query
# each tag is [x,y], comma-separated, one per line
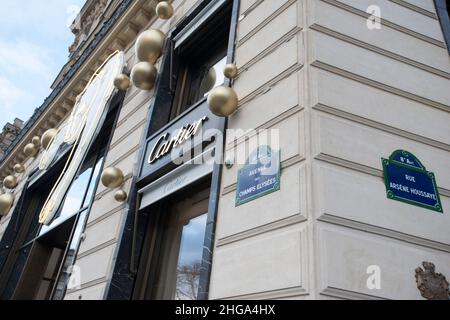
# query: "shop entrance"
[170,267]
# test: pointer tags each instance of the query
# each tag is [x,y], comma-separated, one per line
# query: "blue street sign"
[407,180]
[259,176]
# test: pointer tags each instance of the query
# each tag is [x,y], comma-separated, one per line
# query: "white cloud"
[47,16]
[21,56]
[34,41]
[11,97]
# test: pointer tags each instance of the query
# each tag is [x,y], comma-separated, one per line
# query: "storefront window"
[216,74]
[47,253]
[201,60]
[172,268]
[443,12]
[79,194]
[190,259]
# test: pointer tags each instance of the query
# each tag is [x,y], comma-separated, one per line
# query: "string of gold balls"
[112,177]
[222,101]
[10,182]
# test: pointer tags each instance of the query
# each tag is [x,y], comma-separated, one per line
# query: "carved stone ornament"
[432,285]
[86,20]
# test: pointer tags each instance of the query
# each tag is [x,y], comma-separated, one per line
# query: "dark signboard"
[259,176]
[179,142]
[407,180]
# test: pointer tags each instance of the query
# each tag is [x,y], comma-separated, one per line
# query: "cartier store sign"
[189,133]
[165,144]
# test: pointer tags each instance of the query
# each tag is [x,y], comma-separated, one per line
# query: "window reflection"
[90,191]
[67,269]
[213,78]
[190,259]
[75,196]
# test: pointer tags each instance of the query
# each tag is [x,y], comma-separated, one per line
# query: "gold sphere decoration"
[10,182]
[36,141]
[112,177]
[6,202]
[144,75]
[48,136]
[164,10]
[222,101]
[230,71]
[149,45]
[122,82]
[120,195]
[30,150]
[19,168]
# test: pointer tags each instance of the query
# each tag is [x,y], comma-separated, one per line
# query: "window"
[165,252]
[40,263]
[443,12]
[199,62]
[53,251]
[80,193]
[175,242]
[177,228]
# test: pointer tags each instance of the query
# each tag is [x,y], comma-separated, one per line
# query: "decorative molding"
[348,295]
[362,168]
[97,248]
[299,289]
[275,225]
[124,156]
[379,85]
[124,116]
[250,9]
[389,233]
[105,215]
[266,125]
[415,8]
[87,285]
[386,23]
[270,295]
[379,50]
[265,21]
[269,84]
[284,165]
[273,47]
[119,140]
[381,126]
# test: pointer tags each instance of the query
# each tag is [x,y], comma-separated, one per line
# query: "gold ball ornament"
[222,101]
[112,177]
[164,10]
[30,150]
[36,141]
[122,82]
[144,75]
[19,168]
[48,136]
[10,182]
[149,45]
[120,196]
[6,202]
[230,71]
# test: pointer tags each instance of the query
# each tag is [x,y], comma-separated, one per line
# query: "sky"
[34,41]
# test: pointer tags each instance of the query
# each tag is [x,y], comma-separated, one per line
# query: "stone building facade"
[343,83]
[9,134]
